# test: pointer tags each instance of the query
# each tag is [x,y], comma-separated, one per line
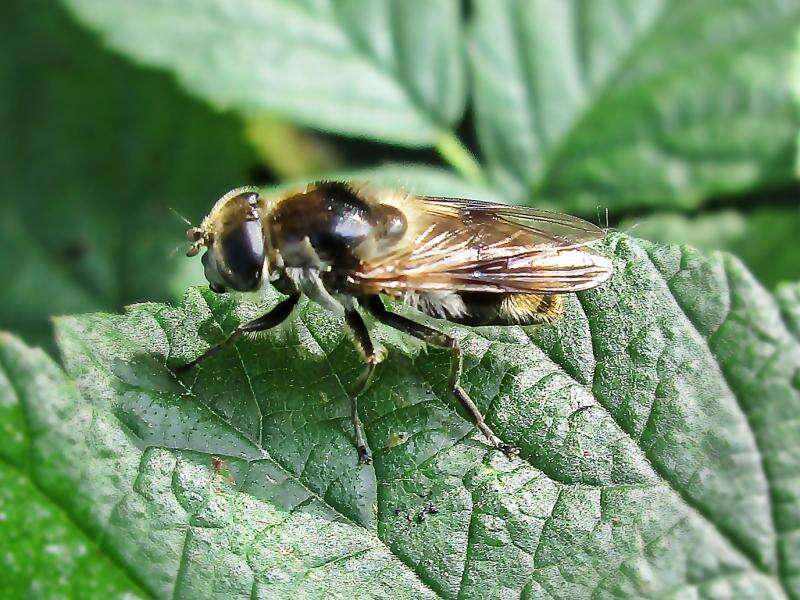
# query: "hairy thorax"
[319,236]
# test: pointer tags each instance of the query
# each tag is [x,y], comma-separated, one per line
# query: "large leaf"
[413,178]
[765,239]
[92,155]
[389,69]
[633,102]
[45,555]
[615,102]
[657,422]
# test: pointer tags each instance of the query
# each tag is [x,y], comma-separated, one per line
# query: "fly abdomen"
[486,308]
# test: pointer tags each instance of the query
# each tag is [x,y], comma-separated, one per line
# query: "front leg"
[372,357]
[273,318]
[437,338]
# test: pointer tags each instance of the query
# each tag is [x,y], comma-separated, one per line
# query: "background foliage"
[658,421]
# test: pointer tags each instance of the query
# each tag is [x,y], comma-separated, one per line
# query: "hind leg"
[437,338]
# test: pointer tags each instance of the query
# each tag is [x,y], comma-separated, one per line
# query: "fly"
[347,245]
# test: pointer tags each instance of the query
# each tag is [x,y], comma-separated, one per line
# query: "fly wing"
[543,227]
[466,245]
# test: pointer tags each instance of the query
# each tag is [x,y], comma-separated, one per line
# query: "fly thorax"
[325,225]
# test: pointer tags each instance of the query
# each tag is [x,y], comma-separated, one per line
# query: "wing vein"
[469,245]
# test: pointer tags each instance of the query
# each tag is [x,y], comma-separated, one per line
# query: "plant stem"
[459,157]
[287,150]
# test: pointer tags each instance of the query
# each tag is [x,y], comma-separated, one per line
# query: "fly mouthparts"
[194,234]
[197,236]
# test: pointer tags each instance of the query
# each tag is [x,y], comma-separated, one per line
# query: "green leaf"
[634,102]
[413,178]
[789,297]
[388,69]
[97,154]
[620,103]
[765,239]
[657,422]
[94,153]
[46,554]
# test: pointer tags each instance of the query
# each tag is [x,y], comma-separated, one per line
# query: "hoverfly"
[345,245]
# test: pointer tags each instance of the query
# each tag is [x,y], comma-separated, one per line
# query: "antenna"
[180,216]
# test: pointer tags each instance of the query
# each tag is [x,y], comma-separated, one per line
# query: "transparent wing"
[550,227]
[466,245]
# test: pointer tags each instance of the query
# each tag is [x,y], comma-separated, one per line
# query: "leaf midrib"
[260,441]
[556,155]
[551,156]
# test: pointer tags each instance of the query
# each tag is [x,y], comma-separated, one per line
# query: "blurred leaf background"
[673,120]
[670,119]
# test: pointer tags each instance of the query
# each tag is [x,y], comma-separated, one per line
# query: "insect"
[345,245]
[422,516]
[429,509]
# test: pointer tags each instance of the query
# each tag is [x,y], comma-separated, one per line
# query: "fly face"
[234,238]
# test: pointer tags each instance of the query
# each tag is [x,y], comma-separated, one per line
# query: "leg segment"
[437,338]
[361,333]
[274,317]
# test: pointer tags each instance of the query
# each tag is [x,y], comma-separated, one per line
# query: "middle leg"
[372,357]
[437,338]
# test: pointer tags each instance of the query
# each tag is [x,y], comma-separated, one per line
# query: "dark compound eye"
[243,256]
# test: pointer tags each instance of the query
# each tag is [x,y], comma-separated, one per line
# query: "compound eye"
[243,256]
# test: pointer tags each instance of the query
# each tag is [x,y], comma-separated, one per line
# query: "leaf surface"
[764,239]
[388,69]
[625,103]
[46,552]
[656,421]
[95,153]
